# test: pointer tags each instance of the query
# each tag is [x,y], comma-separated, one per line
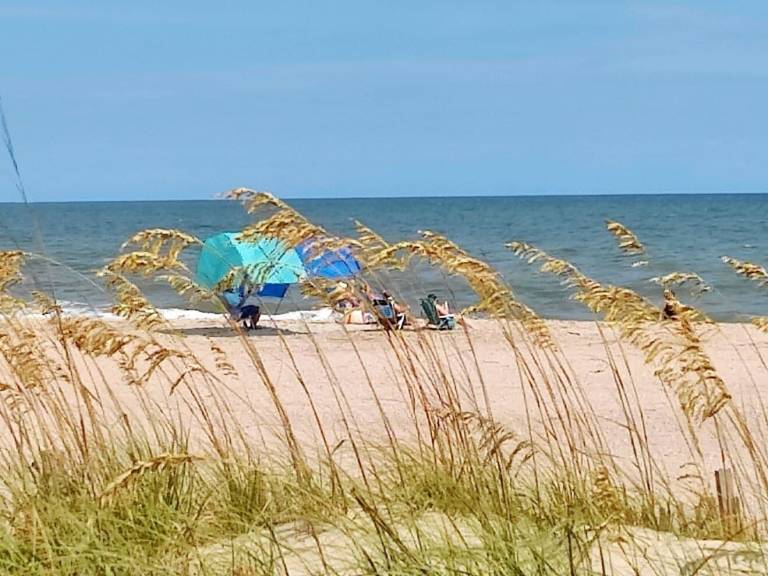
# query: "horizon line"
[427,196]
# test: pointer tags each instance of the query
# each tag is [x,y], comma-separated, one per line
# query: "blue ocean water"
[681,233]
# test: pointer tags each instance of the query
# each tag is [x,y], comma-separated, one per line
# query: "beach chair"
[385,312]
[434,320]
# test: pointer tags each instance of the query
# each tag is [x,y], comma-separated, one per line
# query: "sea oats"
[143,263]
[165,242]
[628,242]
[133,474]
[761,322]
[495,297]
[671,344]
[188,288]
[375,251]
[131,303]
[11,262]
[747,269]
[679,278]
[286,224]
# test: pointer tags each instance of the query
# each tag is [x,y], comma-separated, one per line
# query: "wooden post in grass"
[728,502]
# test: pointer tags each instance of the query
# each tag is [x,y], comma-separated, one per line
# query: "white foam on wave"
[80,309]
[188,314]
[321,315]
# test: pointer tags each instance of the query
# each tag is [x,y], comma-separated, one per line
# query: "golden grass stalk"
[753,272]
[670,344]
[162,241]
[747,269]
[131,303]
[131,475]
[11,262]
[496,298]
[94,336]
[286,224]
[628,242]
[680,278]
[761,322]
[330,292]
[188,288]
[375,251]
[159,251]
[143,263]
[21,351]
[254,200]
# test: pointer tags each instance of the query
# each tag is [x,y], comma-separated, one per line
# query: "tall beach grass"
[127,449]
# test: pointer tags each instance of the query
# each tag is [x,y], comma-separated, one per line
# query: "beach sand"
[353,374]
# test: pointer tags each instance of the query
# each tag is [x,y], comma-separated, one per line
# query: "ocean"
[680,232]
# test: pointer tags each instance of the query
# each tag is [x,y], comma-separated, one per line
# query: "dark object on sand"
[250,315]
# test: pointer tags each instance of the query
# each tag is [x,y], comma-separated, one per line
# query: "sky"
[174,100]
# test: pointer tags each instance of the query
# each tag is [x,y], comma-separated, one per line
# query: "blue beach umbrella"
[268,261]
[332,264]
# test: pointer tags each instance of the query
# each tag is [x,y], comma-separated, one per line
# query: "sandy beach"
[354,374]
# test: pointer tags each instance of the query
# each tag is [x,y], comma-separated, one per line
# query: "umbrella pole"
[277,308]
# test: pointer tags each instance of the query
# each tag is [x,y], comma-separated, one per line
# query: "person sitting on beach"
[398,309]
[343,298]
[387,310]
[358,316]
[439,315]
[442,309]
[352,311]
[242,306]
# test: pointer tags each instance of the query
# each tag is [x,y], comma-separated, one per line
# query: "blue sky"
[142,100]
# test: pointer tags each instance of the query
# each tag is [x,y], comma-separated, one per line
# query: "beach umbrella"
[331,264]
[268,262]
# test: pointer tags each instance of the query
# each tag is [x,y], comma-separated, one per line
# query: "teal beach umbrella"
[267,262]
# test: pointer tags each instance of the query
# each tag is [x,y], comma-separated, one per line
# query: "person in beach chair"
[438,315]
[242,305]
[389,313]
[397,312]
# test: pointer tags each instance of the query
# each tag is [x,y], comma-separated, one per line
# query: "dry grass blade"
[628,242]
[254,200]
[747,269]
[131,304]
[94,336]
[162,241]
[21,352]
[493,440]
[223,363]
[45,304]
[188,288]
[495,296]
[679,278]
[249,276]
[669,343]
[330,292]
[376,251]
[761,322]
[11,262]
[143,263]
[135,472]
[286,224]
